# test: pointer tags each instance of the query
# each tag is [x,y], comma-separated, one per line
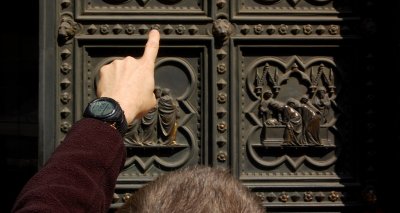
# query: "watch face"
[102,108]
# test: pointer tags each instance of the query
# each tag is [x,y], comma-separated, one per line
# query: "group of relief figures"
[159,126]
[301,117]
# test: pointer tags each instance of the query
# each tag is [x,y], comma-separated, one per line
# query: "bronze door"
[265,88]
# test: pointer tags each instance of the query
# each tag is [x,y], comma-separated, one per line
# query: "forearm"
[81,174]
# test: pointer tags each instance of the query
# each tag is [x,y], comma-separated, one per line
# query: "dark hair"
[197,189]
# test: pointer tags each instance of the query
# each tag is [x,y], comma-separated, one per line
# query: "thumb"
[152,45]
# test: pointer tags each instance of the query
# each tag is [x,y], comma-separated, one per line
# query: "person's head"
[304,99]
[157,91]
[321,91]
[278,105]
[166,91]
[197,189]
[267,94]
[293,103]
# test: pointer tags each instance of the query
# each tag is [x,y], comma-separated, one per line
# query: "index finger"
[152,45]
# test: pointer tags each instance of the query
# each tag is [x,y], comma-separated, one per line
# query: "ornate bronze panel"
[266,88]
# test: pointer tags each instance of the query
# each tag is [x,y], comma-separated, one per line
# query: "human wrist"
[129,111]
[109,111]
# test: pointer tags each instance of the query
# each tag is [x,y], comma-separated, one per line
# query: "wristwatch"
[109,111]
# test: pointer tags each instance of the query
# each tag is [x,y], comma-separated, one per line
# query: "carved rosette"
[285,30]
[305,196]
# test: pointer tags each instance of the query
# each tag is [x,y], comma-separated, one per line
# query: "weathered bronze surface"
[266,88]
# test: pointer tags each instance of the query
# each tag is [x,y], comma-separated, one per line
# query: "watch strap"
[117,120]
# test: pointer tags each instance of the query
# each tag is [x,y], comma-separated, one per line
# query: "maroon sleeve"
[80,175]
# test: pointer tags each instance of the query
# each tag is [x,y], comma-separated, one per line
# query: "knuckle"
[130,58]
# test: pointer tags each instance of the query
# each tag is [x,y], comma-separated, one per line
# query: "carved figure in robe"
[147,131]
[269,116]
[293,122]
[323,103]
[310,122]
[305,100]
[167,118]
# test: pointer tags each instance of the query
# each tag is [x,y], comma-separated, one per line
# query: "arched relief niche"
[177,71]
[166,137]
[291,107]
[178,74]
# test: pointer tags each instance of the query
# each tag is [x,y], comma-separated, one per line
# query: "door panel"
[230,76]
[297,168]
